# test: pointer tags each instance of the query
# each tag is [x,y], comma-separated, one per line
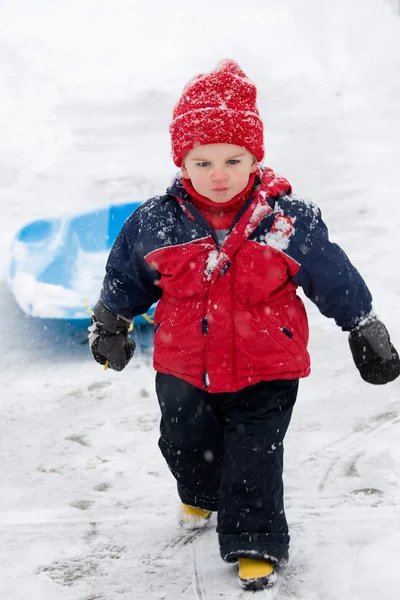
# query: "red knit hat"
[217,108]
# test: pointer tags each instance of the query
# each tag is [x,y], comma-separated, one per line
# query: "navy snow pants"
[226,452]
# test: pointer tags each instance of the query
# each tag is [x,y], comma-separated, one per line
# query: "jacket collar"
[260,204]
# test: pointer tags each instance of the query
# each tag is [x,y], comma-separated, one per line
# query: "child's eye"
[203,164]
[233,161]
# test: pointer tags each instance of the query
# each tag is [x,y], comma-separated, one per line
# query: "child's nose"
[219,175]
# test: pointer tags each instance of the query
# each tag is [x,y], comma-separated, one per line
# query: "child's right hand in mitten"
[374,355]
[108,338]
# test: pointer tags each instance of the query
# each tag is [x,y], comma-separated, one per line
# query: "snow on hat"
[217,108]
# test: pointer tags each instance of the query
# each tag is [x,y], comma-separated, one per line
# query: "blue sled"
[57,265]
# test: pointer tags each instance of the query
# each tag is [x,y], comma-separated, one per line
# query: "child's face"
[219,171]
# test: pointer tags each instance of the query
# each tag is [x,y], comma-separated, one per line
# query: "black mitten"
[109,339]
[374,355]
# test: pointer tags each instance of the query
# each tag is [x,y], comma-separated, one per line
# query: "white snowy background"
[87,506]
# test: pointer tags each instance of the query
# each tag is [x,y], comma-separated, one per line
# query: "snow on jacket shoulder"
[325,272]
[228,316]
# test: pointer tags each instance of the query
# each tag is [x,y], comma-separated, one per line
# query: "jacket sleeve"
[326,274]
[130,284]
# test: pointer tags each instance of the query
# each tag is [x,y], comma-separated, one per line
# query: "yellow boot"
[191,517]
[256,574]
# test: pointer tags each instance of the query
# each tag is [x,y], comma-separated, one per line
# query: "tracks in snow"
[348,449]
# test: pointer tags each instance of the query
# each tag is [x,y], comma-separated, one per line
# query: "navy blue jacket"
[240,295]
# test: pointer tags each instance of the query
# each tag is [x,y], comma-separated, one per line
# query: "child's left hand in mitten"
[373,353]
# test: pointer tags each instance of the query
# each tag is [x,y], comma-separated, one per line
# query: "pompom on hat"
[217,108]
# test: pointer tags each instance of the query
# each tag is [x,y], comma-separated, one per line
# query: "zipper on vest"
[204,325]
[234,335]
[225,268]
[206,379]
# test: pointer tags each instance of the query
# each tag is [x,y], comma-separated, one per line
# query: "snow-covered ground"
[87,509]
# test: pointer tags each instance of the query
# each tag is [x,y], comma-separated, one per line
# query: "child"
[224,251]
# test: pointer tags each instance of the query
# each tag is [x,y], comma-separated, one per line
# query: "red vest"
[230,318]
